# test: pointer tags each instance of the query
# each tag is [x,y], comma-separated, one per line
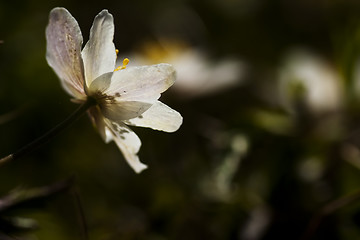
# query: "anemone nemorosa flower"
[124,96]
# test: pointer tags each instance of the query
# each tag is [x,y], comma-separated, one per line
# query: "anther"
[125,62]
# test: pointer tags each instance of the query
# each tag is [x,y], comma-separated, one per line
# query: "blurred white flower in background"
[307,77]
[197,74]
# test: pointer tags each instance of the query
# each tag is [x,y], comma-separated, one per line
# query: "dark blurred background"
[269,147]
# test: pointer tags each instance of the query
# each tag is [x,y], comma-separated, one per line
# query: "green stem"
[50,134]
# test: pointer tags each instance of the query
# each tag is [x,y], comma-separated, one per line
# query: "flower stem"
[50,134]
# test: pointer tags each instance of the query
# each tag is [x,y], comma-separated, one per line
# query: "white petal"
[113,107]
[99,52]
[159,117]
[142,84]
[128,143]
[63,52]
[118,111]
[100,84]
[98,120]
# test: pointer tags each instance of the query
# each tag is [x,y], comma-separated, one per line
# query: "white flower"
[197,75]
[319,83]
[123,95]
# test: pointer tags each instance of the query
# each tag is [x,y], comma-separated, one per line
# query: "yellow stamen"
[125,62]
[116,52]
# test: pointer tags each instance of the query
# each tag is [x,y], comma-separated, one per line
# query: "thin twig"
[50,134]
[327,210]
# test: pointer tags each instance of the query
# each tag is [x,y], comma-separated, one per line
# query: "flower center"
[102,98]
